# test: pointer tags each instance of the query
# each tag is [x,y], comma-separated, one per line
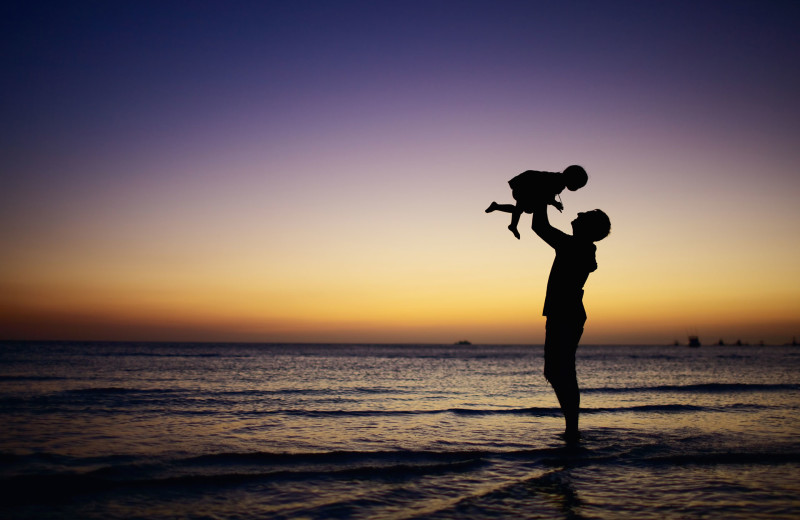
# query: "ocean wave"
[214,407]
[162,355]
[260,467]
[319,391]
[231,469]
[32,378]
[543,412]
[211,395]
[332,457]
[710,388]
[122,390]
[533,411]
[713,459]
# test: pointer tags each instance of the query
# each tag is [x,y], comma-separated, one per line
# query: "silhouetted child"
[530,187]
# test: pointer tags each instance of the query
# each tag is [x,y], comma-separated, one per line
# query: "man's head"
[593,225]
[575,177]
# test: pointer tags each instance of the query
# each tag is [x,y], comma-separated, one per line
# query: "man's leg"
[569,398]
[561,342]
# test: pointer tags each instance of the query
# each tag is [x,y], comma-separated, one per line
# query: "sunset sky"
[318,171]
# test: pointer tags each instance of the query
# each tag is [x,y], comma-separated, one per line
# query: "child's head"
[593,225]
[575,177]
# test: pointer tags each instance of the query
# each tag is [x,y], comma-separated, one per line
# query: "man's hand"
[541,226]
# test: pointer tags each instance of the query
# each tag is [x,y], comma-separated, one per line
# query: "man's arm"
[541,226]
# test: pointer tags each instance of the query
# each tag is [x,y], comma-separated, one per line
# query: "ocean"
[284,431]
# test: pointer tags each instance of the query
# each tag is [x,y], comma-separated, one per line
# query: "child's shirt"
[534,186]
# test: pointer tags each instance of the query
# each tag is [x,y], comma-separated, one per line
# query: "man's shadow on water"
[549,491]
[550,494]
[556,487]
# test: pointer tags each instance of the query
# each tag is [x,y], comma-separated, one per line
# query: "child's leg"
[515,221]
[508,208]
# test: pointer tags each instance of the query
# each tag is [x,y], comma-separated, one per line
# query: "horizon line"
[394,343]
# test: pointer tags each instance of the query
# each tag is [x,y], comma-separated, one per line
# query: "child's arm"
[556,204]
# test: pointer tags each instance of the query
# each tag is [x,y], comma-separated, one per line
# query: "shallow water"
[93,430]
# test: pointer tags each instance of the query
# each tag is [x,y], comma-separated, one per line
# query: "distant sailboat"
[694,341]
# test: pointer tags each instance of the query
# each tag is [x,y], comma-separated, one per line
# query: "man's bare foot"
[492,207]
[514,230]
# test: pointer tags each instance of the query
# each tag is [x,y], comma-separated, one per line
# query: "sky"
[317,171]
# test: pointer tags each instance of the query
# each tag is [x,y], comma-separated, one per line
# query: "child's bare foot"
[492,207]
[514,230]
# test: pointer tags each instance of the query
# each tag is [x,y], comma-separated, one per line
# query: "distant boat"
[694,341]
[463,342]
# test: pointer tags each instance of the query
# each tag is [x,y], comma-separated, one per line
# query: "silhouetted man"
[563,304]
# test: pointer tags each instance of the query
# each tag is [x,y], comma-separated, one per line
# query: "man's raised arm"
[541,226]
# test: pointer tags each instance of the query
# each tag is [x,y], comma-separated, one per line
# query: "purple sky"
[332,156]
